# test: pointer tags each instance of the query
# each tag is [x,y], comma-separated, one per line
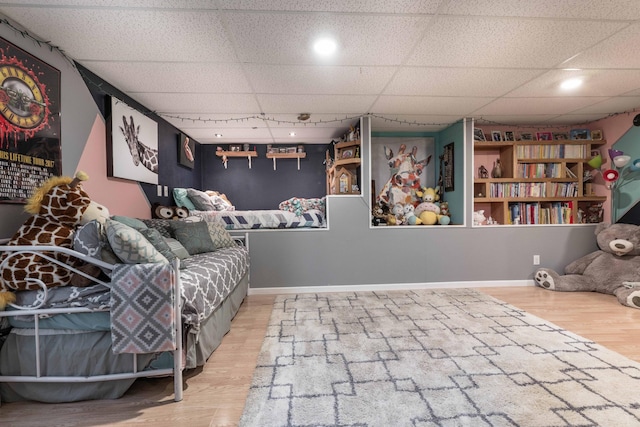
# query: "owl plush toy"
[59,206]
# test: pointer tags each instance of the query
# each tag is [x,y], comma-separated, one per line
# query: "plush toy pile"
[614,269]
[59,206]
[403,200]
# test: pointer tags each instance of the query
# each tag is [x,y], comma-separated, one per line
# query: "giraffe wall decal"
[140,153]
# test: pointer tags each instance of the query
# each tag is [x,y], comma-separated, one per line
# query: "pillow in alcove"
[181,198]
[201,200]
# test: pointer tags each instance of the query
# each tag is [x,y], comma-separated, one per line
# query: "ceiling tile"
[178,77]
[422,105]
[619,104]
[336,80]
[514,43]
[141,35]
[351,6]
[590,9]
[197,104]
[351,105]
[287,38]
[450,81]
[595,83]
[618,51]
[533,106]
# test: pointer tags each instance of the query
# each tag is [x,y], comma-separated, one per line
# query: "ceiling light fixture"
[325,46]
[304,116]
[218,135]
[571,84]
[292,134]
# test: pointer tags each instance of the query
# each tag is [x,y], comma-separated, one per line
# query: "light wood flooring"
[214,395]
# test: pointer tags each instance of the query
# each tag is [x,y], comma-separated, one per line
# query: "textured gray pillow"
[131,222]
[131,246]
[194,236]
[220,236]
[200,199]
[177,248]
[155,238]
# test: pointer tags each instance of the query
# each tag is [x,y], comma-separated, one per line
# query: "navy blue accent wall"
[170,173]
[261,187]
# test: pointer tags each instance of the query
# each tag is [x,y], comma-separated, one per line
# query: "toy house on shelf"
[343,170]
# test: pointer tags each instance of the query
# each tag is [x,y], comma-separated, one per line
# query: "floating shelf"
[226,154]
[296,155]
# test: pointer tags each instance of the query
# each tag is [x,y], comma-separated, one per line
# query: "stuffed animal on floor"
[614,269]
[58,207]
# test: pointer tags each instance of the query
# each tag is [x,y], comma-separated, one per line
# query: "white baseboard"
[387,287]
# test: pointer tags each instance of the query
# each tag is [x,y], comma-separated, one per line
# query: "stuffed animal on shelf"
[614,269]
[58,207]
[410,216]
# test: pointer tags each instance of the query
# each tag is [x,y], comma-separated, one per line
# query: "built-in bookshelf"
[538,182]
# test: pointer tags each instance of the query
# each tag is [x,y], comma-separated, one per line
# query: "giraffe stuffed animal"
[59,206]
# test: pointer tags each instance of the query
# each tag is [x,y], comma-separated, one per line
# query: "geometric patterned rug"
[444,357]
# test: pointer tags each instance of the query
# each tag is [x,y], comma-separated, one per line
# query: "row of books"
[551,151]
[533,189]
[541,213]
[539,170]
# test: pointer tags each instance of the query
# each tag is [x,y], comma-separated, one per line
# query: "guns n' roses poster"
[30,151]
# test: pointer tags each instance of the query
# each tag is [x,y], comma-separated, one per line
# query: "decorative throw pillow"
[155,238]
[162,225]
[131,222]
[131,246]
[177,248]
[181,198]
[86,239]
[220,201]
[200,199]
[194,236]
[220,236]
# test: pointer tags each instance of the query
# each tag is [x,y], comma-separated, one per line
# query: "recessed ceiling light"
[292,134]
[325,46]
[218,135]
[572,83]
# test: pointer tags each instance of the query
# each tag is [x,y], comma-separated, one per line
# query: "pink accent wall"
[613,128]
[120,196]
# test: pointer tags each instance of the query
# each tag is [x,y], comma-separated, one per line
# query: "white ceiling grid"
[203,65]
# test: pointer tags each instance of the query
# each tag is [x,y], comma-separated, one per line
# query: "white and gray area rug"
[453,357]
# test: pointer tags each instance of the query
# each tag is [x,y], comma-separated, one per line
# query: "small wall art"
[186,151]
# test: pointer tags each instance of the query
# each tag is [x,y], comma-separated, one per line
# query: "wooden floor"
[215,394]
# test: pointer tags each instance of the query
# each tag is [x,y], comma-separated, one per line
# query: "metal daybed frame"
[37,312]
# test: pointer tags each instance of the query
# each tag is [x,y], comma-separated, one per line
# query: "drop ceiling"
[246,69]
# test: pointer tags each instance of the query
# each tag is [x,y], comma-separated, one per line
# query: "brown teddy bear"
[614,269]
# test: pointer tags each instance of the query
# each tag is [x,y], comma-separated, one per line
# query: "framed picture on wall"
[186,151]
[596,135]
[478,135]
[30,146]
[496,135]
[132,144]
[509,135]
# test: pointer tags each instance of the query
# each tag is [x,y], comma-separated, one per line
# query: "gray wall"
[352,253]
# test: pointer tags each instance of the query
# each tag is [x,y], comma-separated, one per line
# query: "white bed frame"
[37,312]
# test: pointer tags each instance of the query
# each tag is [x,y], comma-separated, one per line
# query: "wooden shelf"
[226,154]
[567,172]
[221,153]
[286,155]
[296,155]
